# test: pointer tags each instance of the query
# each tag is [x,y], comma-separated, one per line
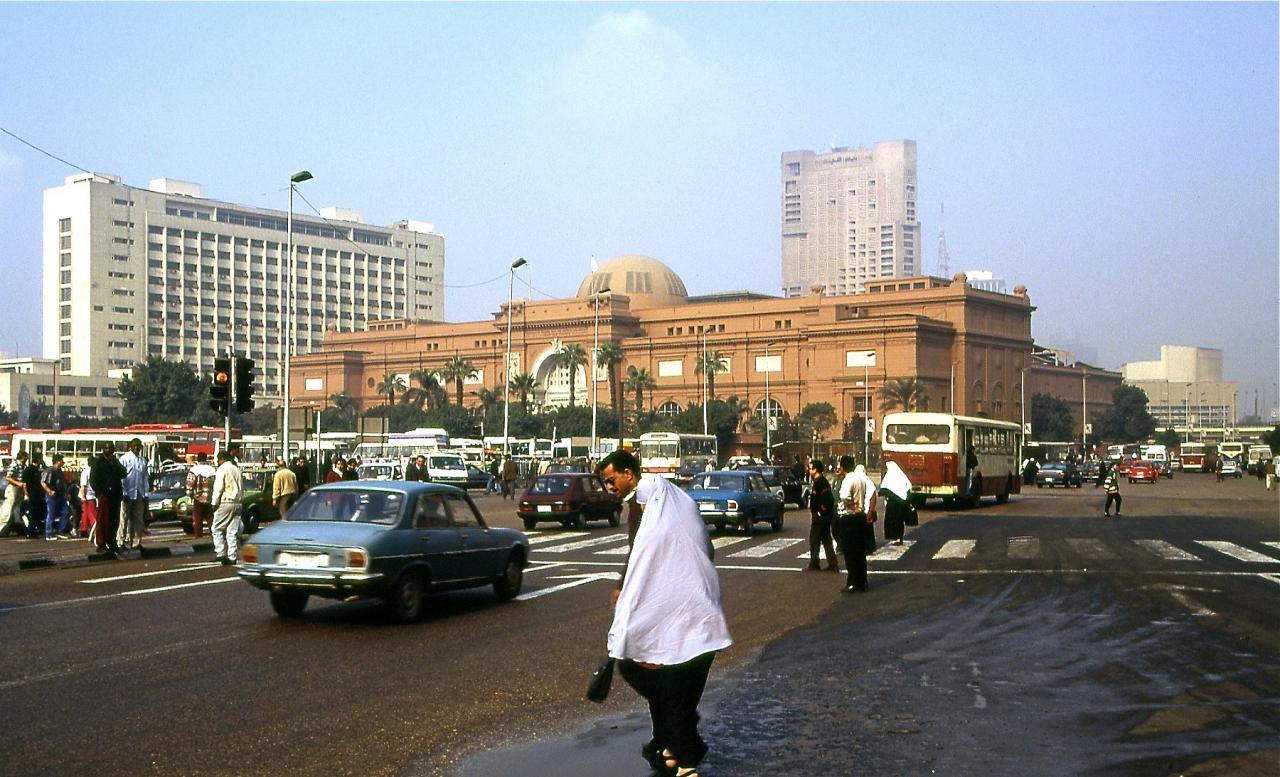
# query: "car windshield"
[551,485]
[374,471]
[171,480]
[348,505]
[716,480]
[1055,465]
[253,481]
[446,462]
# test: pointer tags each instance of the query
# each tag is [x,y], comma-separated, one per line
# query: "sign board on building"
[859,358]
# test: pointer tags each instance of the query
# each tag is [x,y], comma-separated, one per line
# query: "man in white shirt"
[227,489]
[857,495]
[137,484]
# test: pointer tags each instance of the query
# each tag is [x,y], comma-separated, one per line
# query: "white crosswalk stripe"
[1090,548]
[723,542]
[1023,547]
[545,538]
[767,548]
[1166,551]
[891,552]
[1238,552]
[956,549]
[1272,545]
[620,550]
[581,544]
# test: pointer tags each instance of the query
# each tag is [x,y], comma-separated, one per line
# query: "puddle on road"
[1031,677]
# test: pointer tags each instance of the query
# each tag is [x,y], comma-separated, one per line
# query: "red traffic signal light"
[220,386]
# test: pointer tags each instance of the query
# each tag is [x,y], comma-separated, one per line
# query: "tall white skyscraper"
[848,217]
[131,273]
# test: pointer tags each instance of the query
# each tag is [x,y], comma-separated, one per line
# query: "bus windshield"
[918,434]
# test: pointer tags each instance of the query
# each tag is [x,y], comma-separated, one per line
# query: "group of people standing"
[846,510]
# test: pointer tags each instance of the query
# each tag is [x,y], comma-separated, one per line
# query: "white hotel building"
[131,273]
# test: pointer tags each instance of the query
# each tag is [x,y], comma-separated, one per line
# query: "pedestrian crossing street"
[736,548]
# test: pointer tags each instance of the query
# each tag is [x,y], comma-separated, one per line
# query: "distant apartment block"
[849,217]
[131,273]
[1185,389]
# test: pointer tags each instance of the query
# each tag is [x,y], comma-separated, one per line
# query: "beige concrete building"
[969,347]
[131,273]
[23,382]
[849,217]
[1185,388]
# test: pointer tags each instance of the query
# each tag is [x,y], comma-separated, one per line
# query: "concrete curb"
[83,559]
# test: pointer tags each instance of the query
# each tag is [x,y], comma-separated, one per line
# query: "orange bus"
[930,448]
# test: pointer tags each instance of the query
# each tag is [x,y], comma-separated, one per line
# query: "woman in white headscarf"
[895,487]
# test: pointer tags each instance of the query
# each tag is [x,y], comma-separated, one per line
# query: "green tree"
[39,415]
[523,384]
[1051,419]
[1272,439]
[260,420]
[400,418]
[1168,438]
[333,419]
[816,417]
[574,357]
[428,394]
[455,371]
[166,392]
[489,401]
[1127,420]
[639,381]
[711,363]
[389,385]
[7,418]
[344,405]
[610,356]
[907,394]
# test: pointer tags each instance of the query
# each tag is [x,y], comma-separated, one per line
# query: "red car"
[1143,472]
[570,499]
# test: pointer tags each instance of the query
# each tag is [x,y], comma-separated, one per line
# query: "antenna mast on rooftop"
[944,259]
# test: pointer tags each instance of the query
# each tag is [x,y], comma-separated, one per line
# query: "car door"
[479,555]
[594,498]
[765,501]
[437,540]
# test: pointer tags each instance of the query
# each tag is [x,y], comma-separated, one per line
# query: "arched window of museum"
[668,409]
[775,408]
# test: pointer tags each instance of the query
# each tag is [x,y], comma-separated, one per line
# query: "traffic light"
[244,385]
[220,386]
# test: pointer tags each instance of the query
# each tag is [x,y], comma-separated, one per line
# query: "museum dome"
[648,282]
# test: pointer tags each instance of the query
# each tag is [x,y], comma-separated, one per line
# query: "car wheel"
[288,604]
[188,528]
[615,518]
[776,523]
[508,586]
[251,522]
[579,521]
[746,524]
[720,526]
[529,523]
[405,601]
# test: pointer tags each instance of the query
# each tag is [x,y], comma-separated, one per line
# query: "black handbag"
[598,689]
[912,518]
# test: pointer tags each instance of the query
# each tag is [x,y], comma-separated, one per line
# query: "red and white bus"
[161,443]
[930,448]
[1198,456]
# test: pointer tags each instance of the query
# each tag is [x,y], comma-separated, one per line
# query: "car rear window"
[551,485]
[713,480]
[353,505]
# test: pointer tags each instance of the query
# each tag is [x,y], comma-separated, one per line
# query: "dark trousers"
[36,513]
[1112,498]
[820,535]
[895,520]
[673,693]
[108,522]
[201,514]
[853,535]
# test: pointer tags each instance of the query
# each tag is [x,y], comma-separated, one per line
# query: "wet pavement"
[1031,675]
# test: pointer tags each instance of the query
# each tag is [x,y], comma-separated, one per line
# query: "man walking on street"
[227,489]
[822,508]
[57,520]
[137,484]
[303,474]
[1112,488]
[11,510]
[668,621]
[35,496]
[200,490]
[856,493]
[284,487]
[509,474]
[107,478]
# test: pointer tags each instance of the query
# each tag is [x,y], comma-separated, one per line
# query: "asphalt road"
[1029,638]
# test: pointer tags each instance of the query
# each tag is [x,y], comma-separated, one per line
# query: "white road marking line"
[590,577]
[723,542]
[557,537]
[183,568]
[1272,545]
[1273,577]
[956,549]
[1193,607]
[1166,551]
[101,597]
[580,544]
[1090,548]
[767,548]
[1237,552]
[891,552]
[1023,547]
[621,550]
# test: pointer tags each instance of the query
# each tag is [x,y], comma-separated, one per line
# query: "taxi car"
[1058,473]
[570,498]
[393,540]
[1142,471]
[736,497]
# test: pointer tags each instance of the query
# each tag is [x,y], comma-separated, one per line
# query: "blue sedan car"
[392,540]
[738,498]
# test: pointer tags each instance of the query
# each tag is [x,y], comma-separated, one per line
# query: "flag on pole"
[595,266]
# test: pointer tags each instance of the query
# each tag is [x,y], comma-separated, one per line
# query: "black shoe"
[220,559]
[226,562]
[1106,515]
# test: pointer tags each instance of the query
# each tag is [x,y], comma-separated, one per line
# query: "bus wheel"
[1003,496]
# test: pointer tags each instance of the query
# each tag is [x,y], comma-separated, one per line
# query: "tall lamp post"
[706,376]
[595,356]
[286,331]
[768,409]
[506,369]
[1084,421]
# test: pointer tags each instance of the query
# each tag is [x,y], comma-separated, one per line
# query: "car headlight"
[166,504]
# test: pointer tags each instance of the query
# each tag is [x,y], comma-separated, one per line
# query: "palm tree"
[427,393]
[523,384]
[457,370]
[573,356]
[343,404]
[489,399]
[610,356]
[639,380]
[711,362]
[906,393]
[391,383]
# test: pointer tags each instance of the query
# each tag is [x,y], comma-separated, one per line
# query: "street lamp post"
[768,410]
[286,330]
[706,376]
[595,355]
[1084,420]
[506,369]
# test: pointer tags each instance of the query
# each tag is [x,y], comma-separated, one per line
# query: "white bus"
[77,445]
[1155,453]
[931,448]
[1232,449]
[471,450]
[1198,456]
[670,453]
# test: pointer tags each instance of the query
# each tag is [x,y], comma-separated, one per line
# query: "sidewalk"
[18,554]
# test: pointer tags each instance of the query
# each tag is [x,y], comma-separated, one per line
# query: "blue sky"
[1118,159]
